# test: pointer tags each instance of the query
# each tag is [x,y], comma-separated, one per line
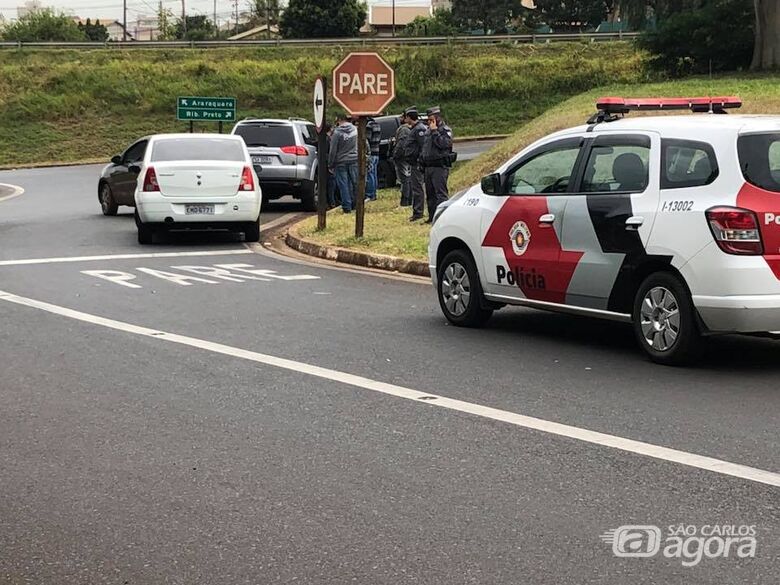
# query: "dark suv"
[284,154]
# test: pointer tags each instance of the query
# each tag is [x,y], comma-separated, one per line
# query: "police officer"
[413,148]
[402,168]
[437,160]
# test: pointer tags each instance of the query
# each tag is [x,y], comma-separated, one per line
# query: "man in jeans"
[343,161]
[402,168]
[374,137]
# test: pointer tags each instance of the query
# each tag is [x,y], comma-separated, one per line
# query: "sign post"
[206,109]
[364,84]
[320,93]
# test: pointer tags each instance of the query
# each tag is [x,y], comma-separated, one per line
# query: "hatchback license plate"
[262,160]
[199,210]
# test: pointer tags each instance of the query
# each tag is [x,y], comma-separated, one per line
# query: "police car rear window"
[687,163]
[759,158]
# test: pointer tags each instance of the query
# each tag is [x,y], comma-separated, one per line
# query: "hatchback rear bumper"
[739,314]
[156,208]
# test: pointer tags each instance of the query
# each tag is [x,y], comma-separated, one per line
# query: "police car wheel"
[460,292]
[665,321]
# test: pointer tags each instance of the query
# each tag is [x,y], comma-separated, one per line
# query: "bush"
[44,25]
[717,37]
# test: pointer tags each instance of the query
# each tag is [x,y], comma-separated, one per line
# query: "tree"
[307,19]
[441,24]
[265,12]
[199,28]
[567,15]
[165,24]
[488,15]
[94,32]
[766,51]
[44,25]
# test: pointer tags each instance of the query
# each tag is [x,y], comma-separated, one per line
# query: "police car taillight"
[735,230]
[150,180]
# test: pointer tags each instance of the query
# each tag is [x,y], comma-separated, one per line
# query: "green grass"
[387,230]
[67,105]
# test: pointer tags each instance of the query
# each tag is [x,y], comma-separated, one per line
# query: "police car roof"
[690,125]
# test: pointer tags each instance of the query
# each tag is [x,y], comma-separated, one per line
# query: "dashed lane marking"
[562,430]
[122,257]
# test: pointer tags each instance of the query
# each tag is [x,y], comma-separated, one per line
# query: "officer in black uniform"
[413,154]
[437,160]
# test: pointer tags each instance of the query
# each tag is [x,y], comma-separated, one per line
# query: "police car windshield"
[759,158]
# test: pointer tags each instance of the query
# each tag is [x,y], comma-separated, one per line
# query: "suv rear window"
[174,149]
[687,163]
[759,159]
[271,135]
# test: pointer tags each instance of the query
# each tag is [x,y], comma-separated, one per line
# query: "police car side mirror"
[491,185]
[117,160]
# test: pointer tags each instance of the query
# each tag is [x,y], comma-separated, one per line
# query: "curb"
[51,165]
[344,256]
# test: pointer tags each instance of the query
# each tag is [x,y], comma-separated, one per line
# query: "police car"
[671,223]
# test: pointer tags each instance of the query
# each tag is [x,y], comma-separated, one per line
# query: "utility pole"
[124,20]
[215,15]
[183,18]
[393,17]
[235,4]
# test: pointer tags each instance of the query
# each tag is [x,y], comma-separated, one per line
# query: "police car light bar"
[619,105]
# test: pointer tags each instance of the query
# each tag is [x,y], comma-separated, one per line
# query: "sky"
[135,8]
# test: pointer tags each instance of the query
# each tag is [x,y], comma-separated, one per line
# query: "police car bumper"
[739,314]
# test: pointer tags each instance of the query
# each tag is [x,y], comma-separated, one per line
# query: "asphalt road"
[291,423]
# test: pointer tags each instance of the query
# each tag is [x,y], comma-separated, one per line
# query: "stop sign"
[364,84]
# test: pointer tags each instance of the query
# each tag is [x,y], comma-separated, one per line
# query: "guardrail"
[367,41]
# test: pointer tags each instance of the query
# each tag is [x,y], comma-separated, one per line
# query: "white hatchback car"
[669,222]
[196,181]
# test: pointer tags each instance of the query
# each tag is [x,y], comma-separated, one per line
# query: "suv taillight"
[150,180]
[735,230]
[296,150]
[247,180]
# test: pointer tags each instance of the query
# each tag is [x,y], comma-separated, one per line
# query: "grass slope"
[387,229]
[65,105]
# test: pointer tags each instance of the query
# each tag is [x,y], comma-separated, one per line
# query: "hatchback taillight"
[150,180]
[247,180]
[296,150]
[735,230]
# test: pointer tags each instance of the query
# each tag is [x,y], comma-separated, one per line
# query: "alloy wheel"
[456,289]
[660,318]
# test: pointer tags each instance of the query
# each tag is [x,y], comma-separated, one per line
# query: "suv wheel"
[460,292]
[309,194]
[665,320]
[107,203]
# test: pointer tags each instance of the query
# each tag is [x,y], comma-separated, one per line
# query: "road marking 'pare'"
[629,445]
[122,257]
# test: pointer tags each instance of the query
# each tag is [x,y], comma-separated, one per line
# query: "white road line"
[122,257]
[629,445]
[16,192]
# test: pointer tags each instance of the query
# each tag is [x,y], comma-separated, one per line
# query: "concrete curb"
[52,165]
[344,256]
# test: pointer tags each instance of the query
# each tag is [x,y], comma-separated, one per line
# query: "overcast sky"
[113,8]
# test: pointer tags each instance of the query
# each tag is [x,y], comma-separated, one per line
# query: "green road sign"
[206,109]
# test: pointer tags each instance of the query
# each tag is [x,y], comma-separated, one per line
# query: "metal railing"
[351,42]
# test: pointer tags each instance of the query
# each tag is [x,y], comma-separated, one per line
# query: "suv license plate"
[199,210]
[262,160]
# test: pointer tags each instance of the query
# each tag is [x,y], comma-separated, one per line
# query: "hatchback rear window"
[759,158]
[271,135]
[173,149]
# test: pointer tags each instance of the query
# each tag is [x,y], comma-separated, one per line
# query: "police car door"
[521,251]
[609,218]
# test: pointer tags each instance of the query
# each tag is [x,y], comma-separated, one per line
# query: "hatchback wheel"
[107,203]
[665,320]
[145,231]
[460,292]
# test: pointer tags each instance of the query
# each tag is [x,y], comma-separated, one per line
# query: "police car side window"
[617,164]
[548,172]
[687,163]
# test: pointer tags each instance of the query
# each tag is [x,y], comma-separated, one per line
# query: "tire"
[107,202]
[145,231]
[665,322]
[460,292]
[252,231]
[309,194]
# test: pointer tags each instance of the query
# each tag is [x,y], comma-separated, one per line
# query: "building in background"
[28,7]
[380,15]
[113,27]
[145,28]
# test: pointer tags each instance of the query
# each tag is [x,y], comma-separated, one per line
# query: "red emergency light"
[619,105]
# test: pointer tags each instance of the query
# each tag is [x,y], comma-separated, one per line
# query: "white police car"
[669,222]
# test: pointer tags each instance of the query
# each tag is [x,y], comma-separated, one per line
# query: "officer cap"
[434,111]
[411,110]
